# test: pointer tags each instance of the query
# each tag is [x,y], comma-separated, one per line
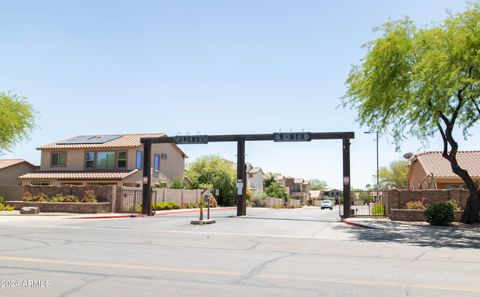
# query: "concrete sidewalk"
[385,223]
[65,215]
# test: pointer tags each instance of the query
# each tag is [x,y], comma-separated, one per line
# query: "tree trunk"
[472,209]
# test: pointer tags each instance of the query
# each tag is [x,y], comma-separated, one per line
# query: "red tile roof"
[11,162]
[433,162]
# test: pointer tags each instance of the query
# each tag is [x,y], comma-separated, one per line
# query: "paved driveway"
[299,252]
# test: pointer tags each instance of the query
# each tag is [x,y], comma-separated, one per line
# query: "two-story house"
[297,187]
[105,159]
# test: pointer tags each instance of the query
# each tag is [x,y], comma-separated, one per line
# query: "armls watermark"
[25,284]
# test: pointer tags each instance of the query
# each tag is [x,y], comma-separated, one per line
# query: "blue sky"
[212,67]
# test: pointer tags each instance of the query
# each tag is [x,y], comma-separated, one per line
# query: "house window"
[89,159]
[122,160]
[105,160]
[296,188]
[156,162]
[139,160]
[59,159]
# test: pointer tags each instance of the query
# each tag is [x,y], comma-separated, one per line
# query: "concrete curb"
[358,224]
[161,213]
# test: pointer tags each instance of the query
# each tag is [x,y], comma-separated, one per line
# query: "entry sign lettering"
[191,139]
[292,136]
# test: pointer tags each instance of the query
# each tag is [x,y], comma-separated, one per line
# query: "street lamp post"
[378,177]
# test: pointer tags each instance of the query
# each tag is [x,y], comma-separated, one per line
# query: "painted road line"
[357,282]
[119,266]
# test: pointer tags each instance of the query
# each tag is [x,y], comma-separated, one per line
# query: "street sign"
[292,136]
[217,192]
[191,139]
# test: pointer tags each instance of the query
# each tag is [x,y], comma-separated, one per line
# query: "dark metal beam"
[346,178]
[241,177]
[251,137]
[147,179]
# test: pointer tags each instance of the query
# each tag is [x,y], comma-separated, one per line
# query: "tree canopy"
[395,176]
[316,184]
[420,81]
[213,172]
[17,119]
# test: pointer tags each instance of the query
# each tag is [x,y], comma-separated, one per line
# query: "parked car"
[327,204]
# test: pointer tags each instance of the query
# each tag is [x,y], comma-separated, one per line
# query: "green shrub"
[160,185]
[57,198]
[137,208]
[166,205]
[188,205]
[90,196]
[41,197]
[5,207]
[70,198]
[378,209]
[27,196]
[454,204]
[2,200]
[277,206]
[277,191]
[439,214]
[177,183]
[258,200]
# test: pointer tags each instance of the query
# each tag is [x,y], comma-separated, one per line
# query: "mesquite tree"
[17,119]
[421,82]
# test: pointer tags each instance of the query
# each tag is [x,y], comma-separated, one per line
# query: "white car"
[327,204]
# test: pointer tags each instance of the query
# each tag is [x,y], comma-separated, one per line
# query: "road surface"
[294,252]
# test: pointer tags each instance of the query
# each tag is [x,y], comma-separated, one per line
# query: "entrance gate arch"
[240,139]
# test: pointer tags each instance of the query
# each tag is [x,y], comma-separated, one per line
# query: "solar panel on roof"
[90,139]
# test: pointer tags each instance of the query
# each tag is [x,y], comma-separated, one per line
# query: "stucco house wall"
[416,175]
[9,176]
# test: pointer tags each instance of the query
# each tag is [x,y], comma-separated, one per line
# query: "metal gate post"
[147,179]
[241,198]
[346,178]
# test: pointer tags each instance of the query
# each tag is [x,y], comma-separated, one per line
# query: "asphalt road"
[299,252]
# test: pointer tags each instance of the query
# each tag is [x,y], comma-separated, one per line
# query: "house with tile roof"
[429,170]
[11,169]
[105,160]
[297,187]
